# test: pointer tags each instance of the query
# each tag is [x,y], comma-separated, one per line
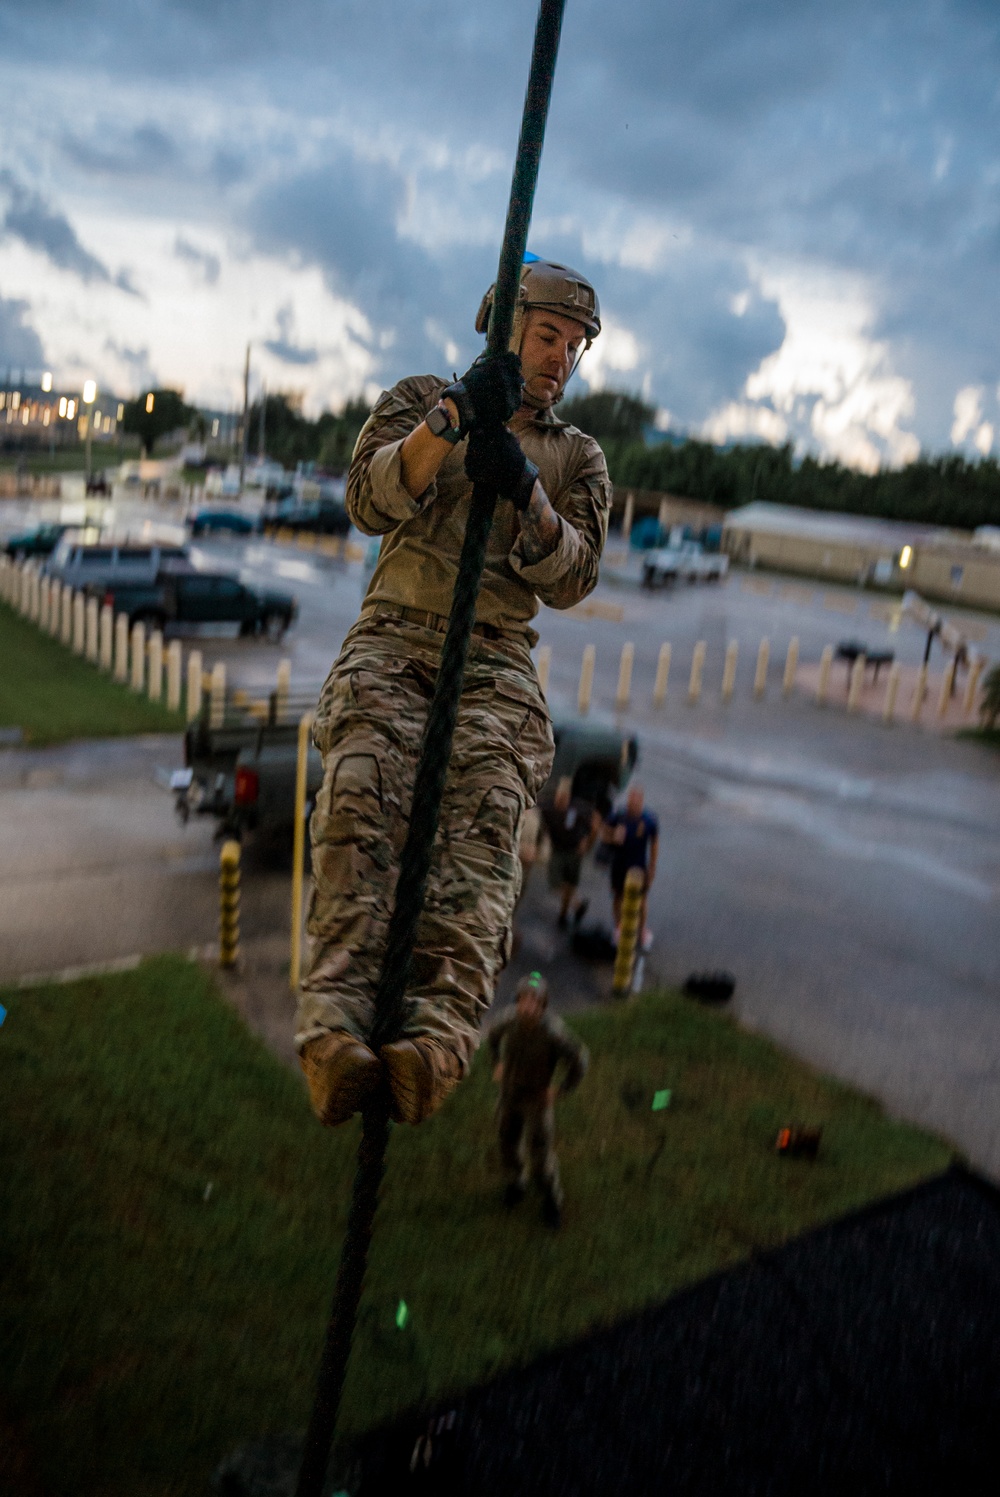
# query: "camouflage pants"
[368,728]
[527,1128]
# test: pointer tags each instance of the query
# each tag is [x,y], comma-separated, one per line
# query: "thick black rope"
[428,787]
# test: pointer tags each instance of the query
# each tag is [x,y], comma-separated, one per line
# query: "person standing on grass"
[572,826]
[528,1045]
[634,836]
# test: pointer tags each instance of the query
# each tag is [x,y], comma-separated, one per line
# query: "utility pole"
[262,431]
[246,420]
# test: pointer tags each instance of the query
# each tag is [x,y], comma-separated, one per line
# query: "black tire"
[273,626]
[149,621]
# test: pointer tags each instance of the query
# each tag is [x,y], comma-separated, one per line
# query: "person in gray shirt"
[528,1045]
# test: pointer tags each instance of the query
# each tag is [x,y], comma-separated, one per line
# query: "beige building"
[954,566]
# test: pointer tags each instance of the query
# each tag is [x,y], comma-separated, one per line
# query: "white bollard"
[194,685]
[282,689]
[107,632]
[760,674]
[66,607]
[544,667]
[919,692]
[5,578]
[138,656]
[79,624]
[24,590]
[662,676]
[857,683]
[55,607]
[43,603]
[729,670]
[93,649]
[586,687]
[624,688]
[697,666]
[947,687]
[217,707]
[972,685]
[891,692]
[791,666]
[121,648]
[175,665]
[823,685]
[35,598]
[154,686]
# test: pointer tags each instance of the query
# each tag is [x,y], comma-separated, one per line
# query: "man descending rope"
[411,478]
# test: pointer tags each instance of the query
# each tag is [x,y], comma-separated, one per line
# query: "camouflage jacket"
[419,555]
[531,1053]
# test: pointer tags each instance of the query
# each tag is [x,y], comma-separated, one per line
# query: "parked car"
[78,563]
[322,516]
[207,521]
[42,540]
[184,598]
[687,562]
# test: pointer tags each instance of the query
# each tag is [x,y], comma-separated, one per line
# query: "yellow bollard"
[544,667]
[217,696]
[299,849]
[627,517]
[919,692]
[823,685]
[586,680]
[79,624]
[729,670]
[857,684]
[947,687]
[629,933]
[791,666]
[66,605]
[55,608]
[229,903]
[760,674]
[662,676]
[107,640]
[891,692]
[624,690]
[35,599]
[175,665]
[138,656]
[121,648]
[44,590]
[154,686]
[972,685]
[194,685]
[93,646]
[282,689]
[697,666]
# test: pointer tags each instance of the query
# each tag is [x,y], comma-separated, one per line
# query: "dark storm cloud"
[145,151]
[284,347]
[202,261]
[20,345]
[29,217]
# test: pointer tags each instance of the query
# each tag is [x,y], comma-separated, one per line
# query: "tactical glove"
[488,393]
[494,456]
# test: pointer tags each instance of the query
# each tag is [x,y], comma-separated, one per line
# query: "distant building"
[952,565]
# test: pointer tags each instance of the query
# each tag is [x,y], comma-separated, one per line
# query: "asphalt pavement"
[847,874]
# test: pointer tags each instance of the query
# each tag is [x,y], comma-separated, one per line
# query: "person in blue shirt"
[633,834]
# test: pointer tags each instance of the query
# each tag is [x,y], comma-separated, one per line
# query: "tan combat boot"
[342,1073]
[421,1075]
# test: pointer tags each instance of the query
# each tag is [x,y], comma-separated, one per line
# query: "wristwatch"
[438,421]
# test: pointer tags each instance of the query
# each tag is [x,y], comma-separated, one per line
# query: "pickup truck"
[242,770]
[175,599]
[686,562]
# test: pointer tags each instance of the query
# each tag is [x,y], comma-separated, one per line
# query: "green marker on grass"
[661,1100]
[402,1315]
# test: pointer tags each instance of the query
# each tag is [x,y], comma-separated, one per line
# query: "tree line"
[943,490]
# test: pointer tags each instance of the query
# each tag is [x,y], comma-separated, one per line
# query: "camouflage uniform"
[531,1054]
[374,704]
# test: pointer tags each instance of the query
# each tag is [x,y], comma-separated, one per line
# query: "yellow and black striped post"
[229,903]
[629,933]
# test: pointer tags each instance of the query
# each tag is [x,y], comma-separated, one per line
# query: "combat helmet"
[554,287]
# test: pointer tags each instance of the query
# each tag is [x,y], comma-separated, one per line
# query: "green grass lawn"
[52,695]
[171,1218]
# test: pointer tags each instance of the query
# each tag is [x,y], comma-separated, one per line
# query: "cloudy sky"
[790,208]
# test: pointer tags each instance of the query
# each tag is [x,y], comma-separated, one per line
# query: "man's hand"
[551,1094]
[498,1071]
[494,456]
[488,393]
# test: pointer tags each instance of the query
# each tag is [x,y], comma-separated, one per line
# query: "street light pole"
[89,396]
[246,419]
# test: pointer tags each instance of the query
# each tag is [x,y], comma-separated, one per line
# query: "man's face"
[549,349]
[529,1008]
[634,802]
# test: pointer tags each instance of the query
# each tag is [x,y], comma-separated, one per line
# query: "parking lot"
[847,873]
